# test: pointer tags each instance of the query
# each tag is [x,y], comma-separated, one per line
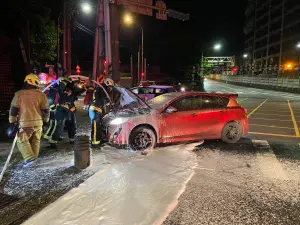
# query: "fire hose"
[15,140]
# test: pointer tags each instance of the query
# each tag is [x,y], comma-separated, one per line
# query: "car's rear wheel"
[232,132]
[142,139]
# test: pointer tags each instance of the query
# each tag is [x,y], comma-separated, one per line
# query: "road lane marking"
[294,120]
[270,134]
[242,100]
[271,114]
[260,125]
[254,110]
[269,119]
[272,110]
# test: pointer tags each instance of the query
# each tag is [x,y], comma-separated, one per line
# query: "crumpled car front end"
[118,125]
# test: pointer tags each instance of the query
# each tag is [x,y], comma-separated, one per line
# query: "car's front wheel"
[231,133]
[142,139]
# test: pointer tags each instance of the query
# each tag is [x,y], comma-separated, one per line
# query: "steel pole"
[107,32]
[201,72]
[142,69]
[145,69]
[58,38]
[139,66]
[96,44]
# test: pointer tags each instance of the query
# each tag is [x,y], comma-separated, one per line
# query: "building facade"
[272,33]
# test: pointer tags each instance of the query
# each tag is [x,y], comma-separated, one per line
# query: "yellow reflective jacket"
[30,108]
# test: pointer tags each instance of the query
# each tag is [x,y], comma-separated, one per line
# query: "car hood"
[127,113]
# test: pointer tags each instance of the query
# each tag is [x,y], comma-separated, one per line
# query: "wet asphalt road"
[247,183]
[272,115]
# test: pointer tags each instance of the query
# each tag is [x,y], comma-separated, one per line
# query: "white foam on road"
[269,165]
[136,192]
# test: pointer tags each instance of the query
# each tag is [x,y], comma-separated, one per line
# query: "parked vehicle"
[148,92]
[176,117]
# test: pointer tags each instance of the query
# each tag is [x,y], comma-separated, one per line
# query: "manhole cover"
[6,200]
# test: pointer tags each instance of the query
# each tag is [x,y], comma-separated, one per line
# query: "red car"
[176,117]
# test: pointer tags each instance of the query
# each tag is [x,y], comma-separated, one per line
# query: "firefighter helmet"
[32,79]
[109,82]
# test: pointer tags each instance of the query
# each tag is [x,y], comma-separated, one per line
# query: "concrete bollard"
[82,158]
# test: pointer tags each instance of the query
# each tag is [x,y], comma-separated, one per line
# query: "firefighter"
[96,112]
[90,91]
[53,97]
[65,113]
[29,110]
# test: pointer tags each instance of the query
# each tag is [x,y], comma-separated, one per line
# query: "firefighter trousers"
[52,127]
[64,118]
[96,131]
[28,142]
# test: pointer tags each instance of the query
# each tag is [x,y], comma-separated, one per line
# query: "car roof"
[155,86]
[160,86]
[226,95]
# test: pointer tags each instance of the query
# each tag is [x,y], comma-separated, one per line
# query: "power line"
[84,29]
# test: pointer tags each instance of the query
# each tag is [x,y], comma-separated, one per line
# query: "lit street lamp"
[86,7]
[215,47]
[245,56]
[128,20]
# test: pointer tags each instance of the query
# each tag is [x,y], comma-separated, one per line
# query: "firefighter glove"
[12,129]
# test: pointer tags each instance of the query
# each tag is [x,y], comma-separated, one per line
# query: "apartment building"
[272,32]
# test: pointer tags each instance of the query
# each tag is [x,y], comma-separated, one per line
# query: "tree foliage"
[42,29]
[43,36]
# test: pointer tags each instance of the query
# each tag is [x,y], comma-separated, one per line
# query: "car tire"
[231,133]
[142,139]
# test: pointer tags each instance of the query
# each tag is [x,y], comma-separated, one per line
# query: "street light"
[245,56]
[215,47]
[298,45]
[86,7]
[128,20]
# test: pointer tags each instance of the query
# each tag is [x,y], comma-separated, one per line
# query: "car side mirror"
[171,109]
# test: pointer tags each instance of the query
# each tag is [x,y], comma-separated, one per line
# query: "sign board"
[143,7]
[161,8]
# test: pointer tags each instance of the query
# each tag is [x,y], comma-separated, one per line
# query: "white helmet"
[109,82]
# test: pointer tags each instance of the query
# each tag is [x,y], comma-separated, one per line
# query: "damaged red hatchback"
[176,117]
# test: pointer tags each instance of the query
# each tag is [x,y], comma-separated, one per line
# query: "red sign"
[143,7]
[161,14]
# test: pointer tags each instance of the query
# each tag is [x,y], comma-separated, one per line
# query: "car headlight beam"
[118,121]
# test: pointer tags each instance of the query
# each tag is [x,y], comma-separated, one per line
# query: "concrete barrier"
[288,84]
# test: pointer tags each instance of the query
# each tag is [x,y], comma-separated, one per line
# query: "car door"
[178,125]
[207,117]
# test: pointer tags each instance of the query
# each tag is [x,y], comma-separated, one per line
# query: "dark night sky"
[174,44]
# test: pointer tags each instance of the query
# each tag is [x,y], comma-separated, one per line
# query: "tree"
[42,39]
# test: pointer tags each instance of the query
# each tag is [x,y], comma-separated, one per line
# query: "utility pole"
[98,64]
[114,18]
[131,66]
[107,32]
[145,69]
[67,38]
[138,66]
[131,71]
[101,52]
[142,49]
